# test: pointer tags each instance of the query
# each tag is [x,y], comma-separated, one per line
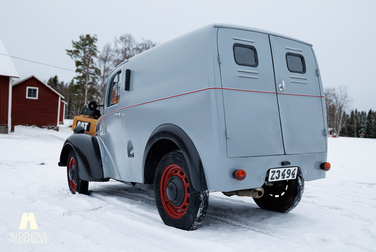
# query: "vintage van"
[224,108]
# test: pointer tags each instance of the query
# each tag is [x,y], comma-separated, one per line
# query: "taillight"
[325,166]
[240,174]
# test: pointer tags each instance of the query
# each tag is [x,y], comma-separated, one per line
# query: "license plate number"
[279,174]
[86,125]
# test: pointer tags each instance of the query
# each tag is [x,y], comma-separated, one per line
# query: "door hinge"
[317,72]
[325,132]
[227,132]
[219,59]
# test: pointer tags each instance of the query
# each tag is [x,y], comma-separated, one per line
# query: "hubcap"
[174,191]
[72,174]
[72,166]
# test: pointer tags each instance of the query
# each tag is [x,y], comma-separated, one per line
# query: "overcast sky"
[342,32]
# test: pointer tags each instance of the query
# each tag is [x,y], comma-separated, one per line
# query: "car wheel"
[282,196]
[75,184]
[178,203]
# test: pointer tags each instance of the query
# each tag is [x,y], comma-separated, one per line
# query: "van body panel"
[299,97]
[249,96]
[234,122]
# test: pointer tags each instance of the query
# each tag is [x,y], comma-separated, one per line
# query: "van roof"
[245,28]
[226,26]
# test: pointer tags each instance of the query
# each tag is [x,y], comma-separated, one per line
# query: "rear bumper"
[219,173]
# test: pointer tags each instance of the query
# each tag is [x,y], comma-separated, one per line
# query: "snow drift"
[335,214]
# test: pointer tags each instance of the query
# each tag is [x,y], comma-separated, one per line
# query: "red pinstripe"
[205,89]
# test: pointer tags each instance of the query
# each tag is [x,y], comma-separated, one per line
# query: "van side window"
[295,63]
[114,92]
[245,55]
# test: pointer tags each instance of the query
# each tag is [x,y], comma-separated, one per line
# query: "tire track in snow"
[226,220]
[121,196]
[127,198]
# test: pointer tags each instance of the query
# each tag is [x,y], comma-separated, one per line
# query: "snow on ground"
[336,214]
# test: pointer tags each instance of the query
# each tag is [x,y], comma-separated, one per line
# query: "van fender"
[182,142]
[88,156]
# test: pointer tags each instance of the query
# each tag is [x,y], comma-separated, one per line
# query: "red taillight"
[240,174]
[325,166]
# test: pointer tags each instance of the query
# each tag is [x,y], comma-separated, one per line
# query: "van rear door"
[250,101]
[300,97]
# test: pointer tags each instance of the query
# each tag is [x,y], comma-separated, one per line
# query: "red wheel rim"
[173,171]
[72,185]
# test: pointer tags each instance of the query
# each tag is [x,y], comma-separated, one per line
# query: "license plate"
[86,125]
[279,174]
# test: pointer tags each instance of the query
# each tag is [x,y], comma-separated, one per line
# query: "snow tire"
[79,186]
[282,196]
[178,203]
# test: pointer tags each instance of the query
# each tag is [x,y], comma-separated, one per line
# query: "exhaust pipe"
[254,193]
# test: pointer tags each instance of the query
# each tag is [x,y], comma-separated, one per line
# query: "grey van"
[223,108]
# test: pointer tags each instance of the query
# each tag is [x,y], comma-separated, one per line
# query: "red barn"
[62,111]
[36,103]
[7,72]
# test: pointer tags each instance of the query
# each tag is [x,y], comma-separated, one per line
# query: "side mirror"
[93,106]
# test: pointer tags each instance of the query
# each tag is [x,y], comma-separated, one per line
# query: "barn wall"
[62,114]
[40,112]
[4,100]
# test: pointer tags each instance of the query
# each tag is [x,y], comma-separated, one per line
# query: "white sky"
[342,32]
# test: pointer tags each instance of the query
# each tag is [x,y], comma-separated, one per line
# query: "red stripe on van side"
[204,89]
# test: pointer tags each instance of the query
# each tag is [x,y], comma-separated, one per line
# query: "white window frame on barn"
[31,97]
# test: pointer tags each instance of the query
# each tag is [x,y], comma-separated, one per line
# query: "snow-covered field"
[335,214]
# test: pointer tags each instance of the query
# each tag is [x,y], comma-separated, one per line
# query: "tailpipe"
[254,193]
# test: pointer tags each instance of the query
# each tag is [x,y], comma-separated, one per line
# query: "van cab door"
[300,96]
[249,94]
[112,130]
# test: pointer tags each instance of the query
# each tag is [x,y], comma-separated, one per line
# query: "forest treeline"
[341,121]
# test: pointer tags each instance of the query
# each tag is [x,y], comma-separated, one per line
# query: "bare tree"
[144,45]
[124,48]
[105,60]
[337,102]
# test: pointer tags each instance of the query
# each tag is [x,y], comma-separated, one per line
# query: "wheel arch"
[166,138]
[88,156]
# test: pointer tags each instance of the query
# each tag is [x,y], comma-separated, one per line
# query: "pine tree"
[374,124]
[343,131]
[363,123]
[351,126]
[84,54]
[54,83]
[370,130]
[357,123]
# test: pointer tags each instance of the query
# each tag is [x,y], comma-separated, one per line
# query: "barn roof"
[32,76]
[6,65]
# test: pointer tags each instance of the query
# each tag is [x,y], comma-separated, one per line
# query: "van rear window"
[245,55]
[295,63]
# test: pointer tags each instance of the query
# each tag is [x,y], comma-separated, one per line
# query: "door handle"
[282,87]
[116,114]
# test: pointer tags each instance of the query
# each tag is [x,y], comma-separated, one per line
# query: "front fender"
[88,156]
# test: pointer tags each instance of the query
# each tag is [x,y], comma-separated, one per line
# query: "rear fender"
[88,155]
[183,142]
